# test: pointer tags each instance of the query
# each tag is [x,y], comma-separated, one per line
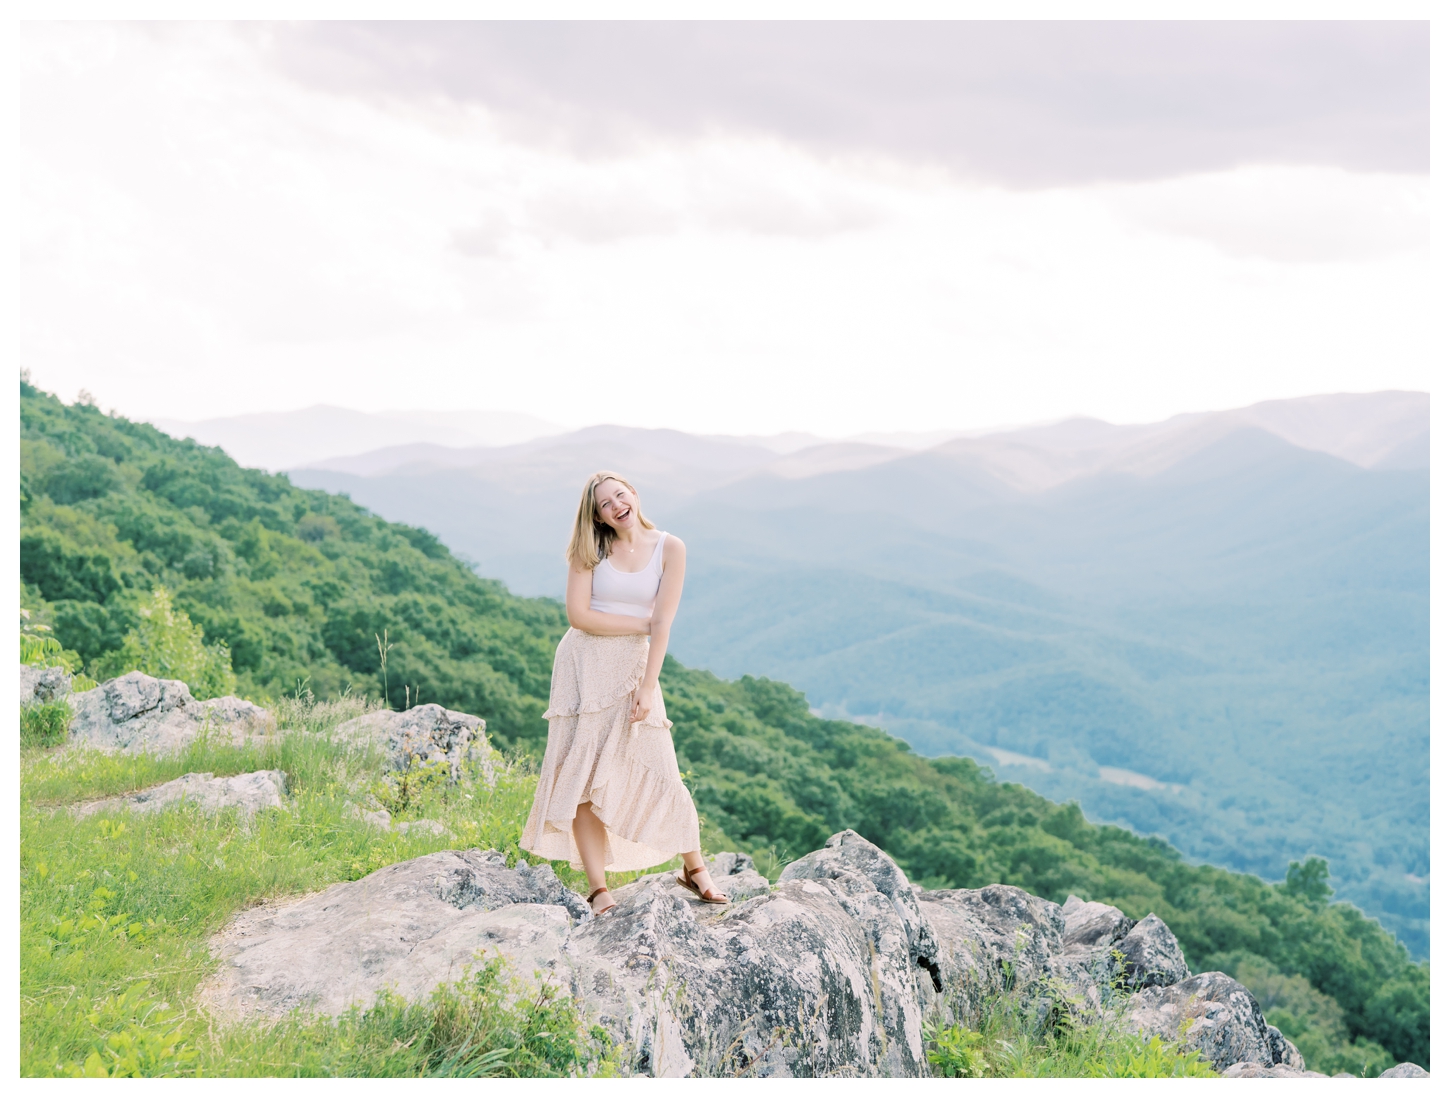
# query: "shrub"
[166,644]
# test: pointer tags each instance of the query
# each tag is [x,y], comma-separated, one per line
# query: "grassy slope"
[297,582]
[117,908]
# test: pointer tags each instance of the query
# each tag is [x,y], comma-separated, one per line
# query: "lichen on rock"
[136,712]
[833,971]
[426,734]
[43,684]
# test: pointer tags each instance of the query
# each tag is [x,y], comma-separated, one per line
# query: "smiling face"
[617,505]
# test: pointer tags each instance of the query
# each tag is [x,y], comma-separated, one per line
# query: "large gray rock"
[822,975]
[43,684]
[247,792]
[1151,955]
[989,940]
[1089,925]
[865,869]
[1284,1052]
[1117,950]
[407,928]
[1215,1014]
[1405,1071]
[834,971]
[138,713]
[1250,1070]
[785,982]
[426,734]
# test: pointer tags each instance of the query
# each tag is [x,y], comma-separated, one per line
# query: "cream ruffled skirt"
[627,772]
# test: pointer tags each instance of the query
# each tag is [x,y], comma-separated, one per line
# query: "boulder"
[1217,1015]
[821,975]
[1283,1050]
[784,982]
[1088,925]
[425,734]
[382,819]
[1250,1070]
[407,927]
[138,713]
[1151,956]
[247,792]
[1405,1071]
[990,939]
[866,870]
[43,684]
[833,971]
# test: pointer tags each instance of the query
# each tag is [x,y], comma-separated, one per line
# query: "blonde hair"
[593,538]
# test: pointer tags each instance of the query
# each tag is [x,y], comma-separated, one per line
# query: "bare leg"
[694,860]
[589,837]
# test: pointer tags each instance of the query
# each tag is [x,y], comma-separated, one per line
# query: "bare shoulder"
[674,548]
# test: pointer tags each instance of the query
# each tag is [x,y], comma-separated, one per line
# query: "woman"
[610,795]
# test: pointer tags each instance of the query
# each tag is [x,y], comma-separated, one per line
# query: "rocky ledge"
[138,713]
[248,793]
[834,970]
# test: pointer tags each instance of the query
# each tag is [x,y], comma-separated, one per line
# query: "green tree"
[166,644]
[1309,880]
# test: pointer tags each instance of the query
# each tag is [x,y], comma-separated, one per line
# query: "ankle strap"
[596,892]
[700,869]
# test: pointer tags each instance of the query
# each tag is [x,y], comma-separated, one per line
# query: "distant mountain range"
[1214,628]
[283,440]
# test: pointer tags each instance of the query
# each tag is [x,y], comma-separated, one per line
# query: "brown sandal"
[590,901]
[687,882]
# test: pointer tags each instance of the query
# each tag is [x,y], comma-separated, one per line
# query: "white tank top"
[629,593]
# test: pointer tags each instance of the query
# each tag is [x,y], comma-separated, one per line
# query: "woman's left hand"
[641,704]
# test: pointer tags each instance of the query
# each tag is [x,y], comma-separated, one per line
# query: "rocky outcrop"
[1088,925]
[1250,1070]
[991,939]
[1217,1015]
[833,971]
[1405,1071]
[407,927]
[1151,955]
[247,792]
[1123,952]
[425,734]
[43,684]
[138,713]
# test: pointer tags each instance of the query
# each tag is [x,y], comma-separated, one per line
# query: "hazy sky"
[734,228]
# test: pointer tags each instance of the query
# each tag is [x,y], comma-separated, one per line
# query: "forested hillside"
[300,585]
[1217,636]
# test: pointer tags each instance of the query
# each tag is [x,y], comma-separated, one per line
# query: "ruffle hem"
[629,773]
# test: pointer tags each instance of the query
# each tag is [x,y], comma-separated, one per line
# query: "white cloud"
[1290,214]
[203,236]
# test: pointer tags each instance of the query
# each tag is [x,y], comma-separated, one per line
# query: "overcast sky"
[731,228]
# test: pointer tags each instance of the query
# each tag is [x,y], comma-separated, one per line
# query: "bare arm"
[576,604]
[667,602]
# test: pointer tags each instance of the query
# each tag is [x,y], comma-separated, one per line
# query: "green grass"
[45,724]
[117,910]
[1043,1031]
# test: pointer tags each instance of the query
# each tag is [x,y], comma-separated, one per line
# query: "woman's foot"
[698,881]
[601,901]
